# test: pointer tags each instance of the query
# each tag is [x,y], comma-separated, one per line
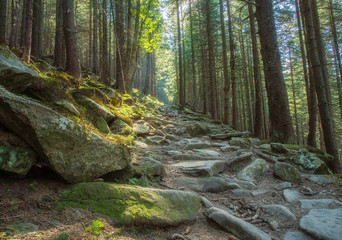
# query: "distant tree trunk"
[22,27]
[281,125]
[104,67]
[91,60]
[232,68]
[212,74]
[59,37]
[28,31]
[35,44]
[194,83]
[294,96]
[180,61]
[325,116]
[337,55]
[14,30]
[225,67]
[257,77]
[3,21]
[96,67]
[72,60]
[148,73]
[120,42]
[321,52]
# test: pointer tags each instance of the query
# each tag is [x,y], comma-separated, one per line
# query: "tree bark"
[3,21]
[72,60]
[212,75]
[35,44]
[28,31]
[225,67]
[23,23]
[96,67]
[180,60]
[194,83]
[13,36]
[59,37]
[281,125]
[257,77]
[104,68]
[316,67]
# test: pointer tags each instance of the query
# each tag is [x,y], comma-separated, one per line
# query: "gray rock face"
[240,161]
[241,193]
[207,152]
[21,228]
[282,186]
[197,129]
[279,148]
[17,160]
[291,195]
[236,226]
[14,75]
[208,184]
[319,203]
[244,184]
[141,129]
[239,142]
[280,212]
[198,145]
[150,167]
[134,205]
[229,148]
[323,223]
[253,170]
[73,157]
[320,179]
[287,172]
[201,168]
[308,162]
[297,236]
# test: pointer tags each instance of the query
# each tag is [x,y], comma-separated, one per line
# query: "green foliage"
[63,236]
[95,227]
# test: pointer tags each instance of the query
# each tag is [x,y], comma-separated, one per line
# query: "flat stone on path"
[244,184]
[253,170]
[323,223]
[198,145]
[320,179]
[297,236]
[291,195]
[236,226]
[201,168]
[319,203]
[207,153]
[280,212]
[282,186]
[208,184]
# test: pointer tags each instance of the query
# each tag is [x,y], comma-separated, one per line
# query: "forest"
[170,119]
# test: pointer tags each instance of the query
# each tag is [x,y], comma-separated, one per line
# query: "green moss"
[310,149]
[102,125]
[130,204]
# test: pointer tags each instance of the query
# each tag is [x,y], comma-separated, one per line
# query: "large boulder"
[14,75]
[132,204]
[73,151]
[287,172]
[308,162]
[17,160]
[197,129]
[253,170]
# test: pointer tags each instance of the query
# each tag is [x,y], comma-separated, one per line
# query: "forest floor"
[32,200]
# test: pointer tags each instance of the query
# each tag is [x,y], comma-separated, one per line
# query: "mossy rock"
[287,172]
[102,125]
[309,162]
[279,148]
[132,204]
[197,129]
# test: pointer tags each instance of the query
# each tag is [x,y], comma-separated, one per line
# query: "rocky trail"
[201,179]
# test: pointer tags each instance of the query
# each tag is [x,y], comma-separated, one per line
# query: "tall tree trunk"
[225,67]
[257,77]
[13,36]
[104,68]
[28,31]
[294,96]
[96,67]
[337,55]
[72,60]
[232,67]
[37,11]
[212,75]
[180,61]
[281,124]
[321,51]
[325,116]
[148,73]
[23,23]
[90,59]
[3,21]
[120,42]
[194,83]
[59,37]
